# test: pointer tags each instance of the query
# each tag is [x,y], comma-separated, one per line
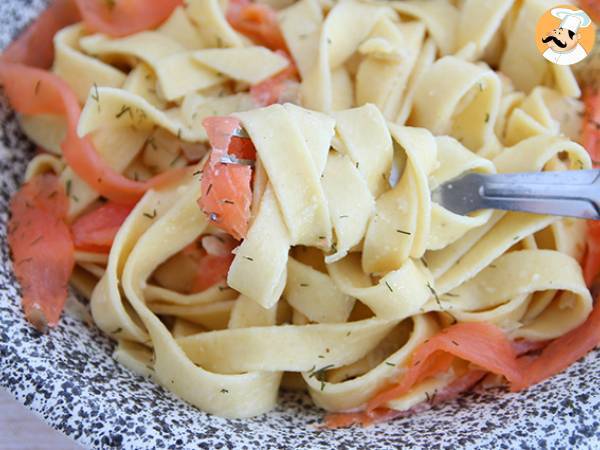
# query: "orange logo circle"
[565,35]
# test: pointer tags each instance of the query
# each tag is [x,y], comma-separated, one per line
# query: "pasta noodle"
[348,265]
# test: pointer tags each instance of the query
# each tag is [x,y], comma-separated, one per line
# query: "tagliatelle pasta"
[345,267]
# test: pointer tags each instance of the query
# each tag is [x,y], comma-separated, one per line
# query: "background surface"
[22,429]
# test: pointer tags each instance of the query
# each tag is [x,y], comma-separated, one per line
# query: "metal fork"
[569,193]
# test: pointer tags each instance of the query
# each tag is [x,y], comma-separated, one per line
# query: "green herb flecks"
[389,287]
[320,374]
[435,294]
[96,95]
[124,110]
[151,216]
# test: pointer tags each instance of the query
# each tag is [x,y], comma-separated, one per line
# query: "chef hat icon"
[570,19]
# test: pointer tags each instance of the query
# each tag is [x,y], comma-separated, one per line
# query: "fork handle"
[572,193]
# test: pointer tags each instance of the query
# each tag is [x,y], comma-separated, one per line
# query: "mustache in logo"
[555,40]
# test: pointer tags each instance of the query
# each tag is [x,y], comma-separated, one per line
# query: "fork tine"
[231,159]
[240,133]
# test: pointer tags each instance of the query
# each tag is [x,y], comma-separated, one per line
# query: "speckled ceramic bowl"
[70,378]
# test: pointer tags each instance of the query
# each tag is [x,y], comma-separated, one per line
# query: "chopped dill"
[408,233]
[249,258]
[320,374]
[151,216]
[434,293]
[96,95]
[124,109]
[152,142]
[389,287]
[433,396]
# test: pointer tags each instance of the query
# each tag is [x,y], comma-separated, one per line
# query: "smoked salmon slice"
[33,91]
[480,343]
[561,352]
[42,248]
[257,21]
[35,47]
[96,230]
[123,17]
[226,188]
[269,91]
[453,390]
[212,260]
[212,269]
[485,346]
